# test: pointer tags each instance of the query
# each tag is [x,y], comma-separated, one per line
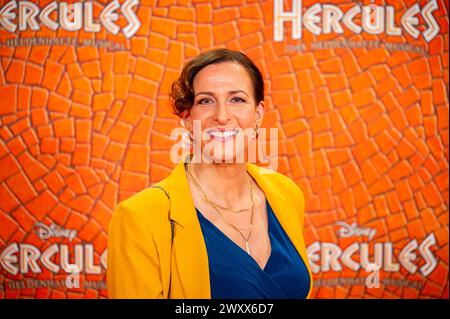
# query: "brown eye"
[238,99]
[205,101]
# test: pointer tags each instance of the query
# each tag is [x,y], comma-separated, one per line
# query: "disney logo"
[352,230]
[53,231]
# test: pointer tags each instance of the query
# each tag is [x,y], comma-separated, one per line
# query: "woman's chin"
[225,157]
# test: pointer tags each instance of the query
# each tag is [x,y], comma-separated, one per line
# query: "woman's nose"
[222,114]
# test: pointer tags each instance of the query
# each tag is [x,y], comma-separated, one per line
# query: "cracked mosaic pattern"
[363,132]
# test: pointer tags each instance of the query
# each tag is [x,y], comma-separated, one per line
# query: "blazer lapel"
[190,272]
[281,206]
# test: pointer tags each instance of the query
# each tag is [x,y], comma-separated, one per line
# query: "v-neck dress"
[236,275]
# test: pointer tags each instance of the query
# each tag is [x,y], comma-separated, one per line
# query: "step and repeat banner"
[358,91]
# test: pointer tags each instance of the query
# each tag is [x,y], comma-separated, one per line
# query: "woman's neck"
[225,181]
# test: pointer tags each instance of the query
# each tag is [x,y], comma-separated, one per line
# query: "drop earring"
[256,128]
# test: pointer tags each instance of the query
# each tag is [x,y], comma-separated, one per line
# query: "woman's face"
[225,109]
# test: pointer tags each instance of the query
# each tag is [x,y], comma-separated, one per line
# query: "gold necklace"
[246,239]
[217,205]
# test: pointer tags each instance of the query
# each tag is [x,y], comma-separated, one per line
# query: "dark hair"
[182,91]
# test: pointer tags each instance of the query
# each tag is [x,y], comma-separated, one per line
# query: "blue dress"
[234,274]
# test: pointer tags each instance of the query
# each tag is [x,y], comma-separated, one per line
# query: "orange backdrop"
[363,131]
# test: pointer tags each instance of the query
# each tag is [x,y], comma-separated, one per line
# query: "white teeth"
[222,134]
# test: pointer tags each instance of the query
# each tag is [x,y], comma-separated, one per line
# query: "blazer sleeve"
[133,269]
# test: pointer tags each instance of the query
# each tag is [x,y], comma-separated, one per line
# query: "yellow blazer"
[144,263]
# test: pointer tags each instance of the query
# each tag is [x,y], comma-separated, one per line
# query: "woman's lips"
[222,136]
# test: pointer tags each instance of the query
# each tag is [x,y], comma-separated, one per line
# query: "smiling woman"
[224,94]
[224,228]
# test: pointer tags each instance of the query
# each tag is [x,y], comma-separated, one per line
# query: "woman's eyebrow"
[205,93]
[229,92]
[238,91]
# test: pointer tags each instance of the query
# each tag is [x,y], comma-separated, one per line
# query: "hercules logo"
[372,19]
[26,15]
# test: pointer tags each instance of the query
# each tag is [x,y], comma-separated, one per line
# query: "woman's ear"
[260,113]
[186,119]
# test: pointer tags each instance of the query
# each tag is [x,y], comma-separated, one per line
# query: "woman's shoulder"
[146,203]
